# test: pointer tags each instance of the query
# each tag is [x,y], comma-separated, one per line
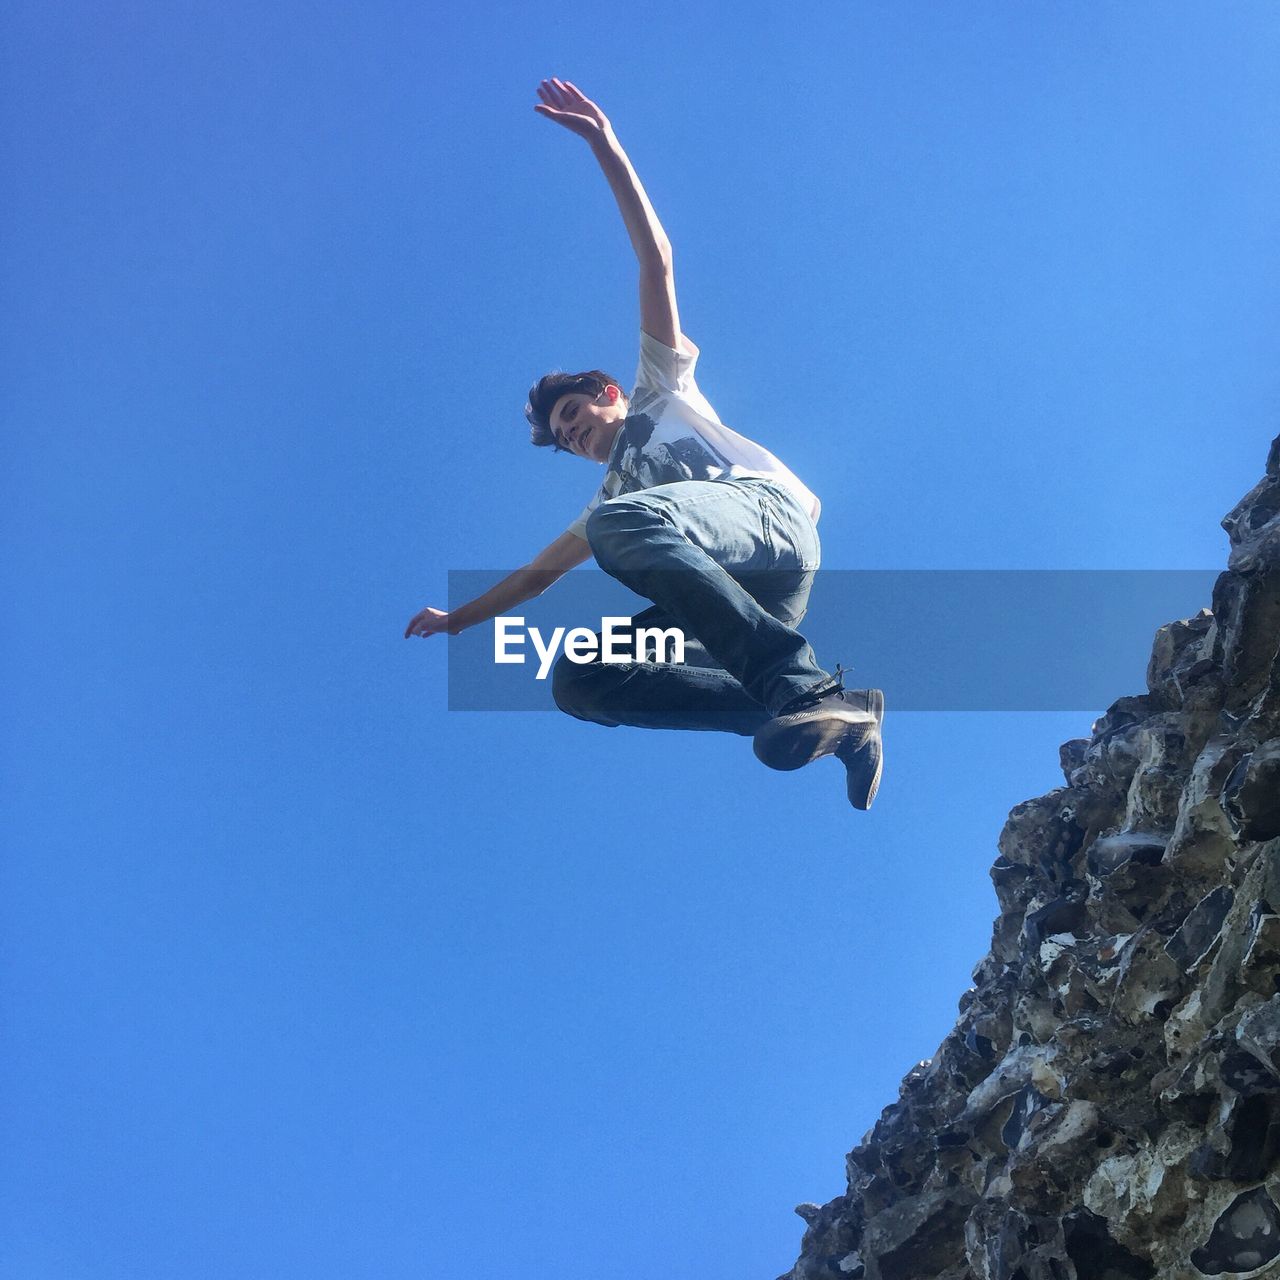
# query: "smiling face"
[586,424]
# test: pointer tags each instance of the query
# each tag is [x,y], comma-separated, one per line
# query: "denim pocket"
[766,527]
[792,534]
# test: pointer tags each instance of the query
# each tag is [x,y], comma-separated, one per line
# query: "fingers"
[427,622]
[419,625]
[551,105]
[560,93]
[551,92]
[564,103]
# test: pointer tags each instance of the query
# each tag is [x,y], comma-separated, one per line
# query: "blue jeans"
[729,562]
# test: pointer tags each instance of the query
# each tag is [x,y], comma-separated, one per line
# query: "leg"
[695,694]
[690,547]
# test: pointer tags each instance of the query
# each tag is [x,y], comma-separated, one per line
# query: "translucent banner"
[933,640]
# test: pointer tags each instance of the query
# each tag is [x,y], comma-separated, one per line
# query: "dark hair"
[550,388]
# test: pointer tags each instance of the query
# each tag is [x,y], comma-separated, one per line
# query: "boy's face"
[586,424]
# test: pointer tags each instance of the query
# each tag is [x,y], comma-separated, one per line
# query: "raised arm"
[567,105]
[549,565]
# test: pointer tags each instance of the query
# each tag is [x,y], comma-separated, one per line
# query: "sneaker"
[841,722]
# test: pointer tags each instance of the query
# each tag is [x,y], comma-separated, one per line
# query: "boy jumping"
[705,523]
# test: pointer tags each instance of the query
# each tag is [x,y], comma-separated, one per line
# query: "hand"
[429,622]
[566,104]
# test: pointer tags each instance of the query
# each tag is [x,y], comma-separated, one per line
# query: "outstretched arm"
[549,565]
[566,104]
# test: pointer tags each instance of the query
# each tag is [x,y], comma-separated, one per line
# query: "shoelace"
[809,699]
[838,687]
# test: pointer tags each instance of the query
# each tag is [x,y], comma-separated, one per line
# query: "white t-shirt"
[672,433]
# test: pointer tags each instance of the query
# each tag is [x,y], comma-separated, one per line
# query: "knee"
[616,523]
[574,688]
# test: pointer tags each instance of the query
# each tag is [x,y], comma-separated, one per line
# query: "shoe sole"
[791,742]
[864,767]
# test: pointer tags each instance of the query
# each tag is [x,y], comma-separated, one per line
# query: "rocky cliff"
[1108,1104]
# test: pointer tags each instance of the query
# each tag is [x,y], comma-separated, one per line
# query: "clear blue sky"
[304,975]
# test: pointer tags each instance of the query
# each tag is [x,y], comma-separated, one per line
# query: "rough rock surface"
[1108,1104]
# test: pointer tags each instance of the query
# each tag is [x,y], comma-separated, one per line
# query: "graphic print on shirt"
[641,465]
[671,433]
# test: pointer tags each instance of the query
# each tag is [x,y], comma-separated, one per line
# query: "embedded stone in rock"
[1202,836]
[1244,1073]
[1177,657]
[1014,887]
[1261,962]
[1259,1033]
[1244,1147]
[1021,1066]
[1122,713]
[979,1045]
[1253,1131]
[1062,915]
[1168,746]
[1109,764]
[1245,1237]
[1110,853]
[1250,516]
[1042,833]
[1148,981]
[1026,1104]
[1247,605]
[1199,931]
[1251,794]
[1095,1255]
[1071,756]
[915,1236]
